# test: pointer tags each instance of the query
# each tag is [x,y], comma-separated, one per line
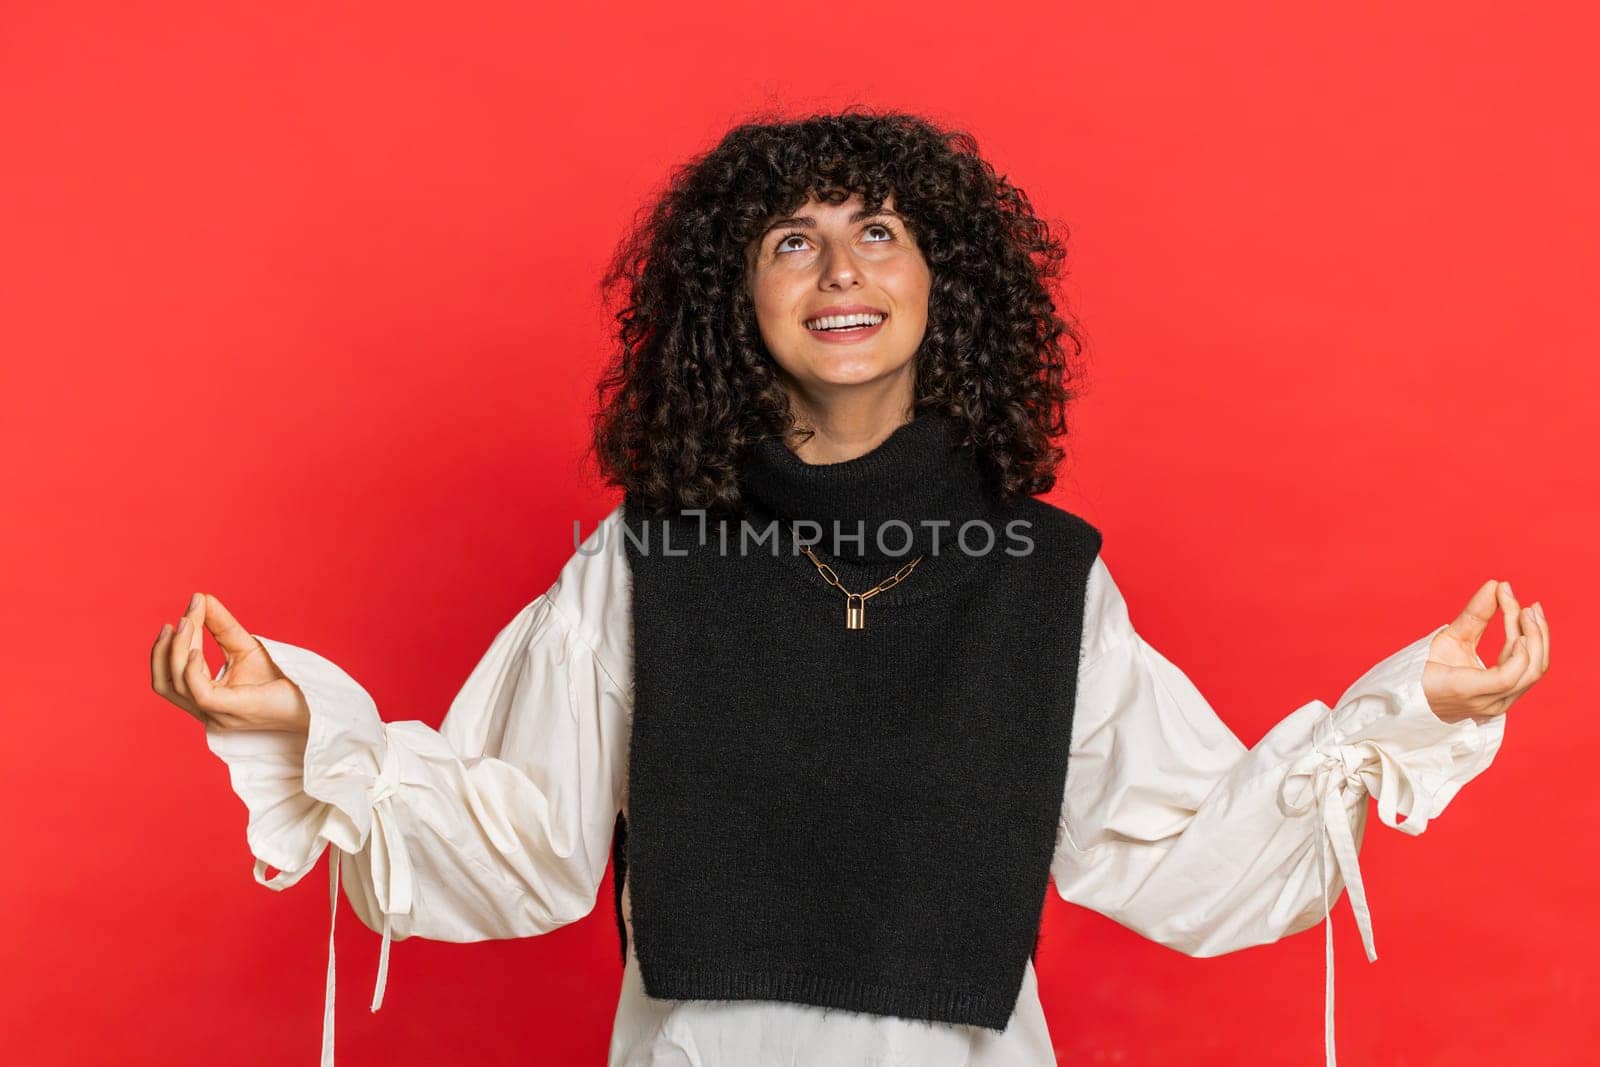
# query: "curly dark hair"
[692,386]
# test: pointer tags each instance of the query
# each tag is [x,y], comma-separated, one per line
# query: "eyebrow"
[810,222]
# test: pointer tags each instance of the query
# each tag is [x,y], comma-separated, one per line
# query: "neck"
[914,473]
[847,426]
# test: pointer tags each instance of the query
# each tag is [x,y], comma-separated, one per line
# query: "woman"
[816,683]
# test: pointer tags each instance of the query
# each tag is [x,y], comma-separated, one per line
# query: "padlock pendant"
[855,612]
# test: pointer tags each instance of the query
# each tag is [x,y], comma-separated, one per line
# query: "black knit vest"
[850,818]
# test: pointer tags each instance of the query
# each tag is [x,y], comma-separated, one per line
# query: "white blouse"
[499,823]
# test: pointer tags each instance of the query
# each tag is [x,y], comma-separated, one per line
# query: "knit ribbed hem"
[933,1004]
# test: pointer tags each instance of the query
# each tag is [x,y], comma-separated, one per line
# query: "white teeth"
[834,322]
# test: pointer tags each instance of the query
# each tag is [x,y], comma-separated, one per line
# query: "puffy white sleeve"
[496,825]
[1173,828]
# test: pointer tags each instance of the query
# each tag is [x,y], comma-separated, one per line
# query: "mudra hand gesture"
[251,694]
[1454,679]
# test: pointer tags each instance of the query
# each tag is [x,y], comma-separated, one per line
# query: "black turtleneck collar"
[919,472]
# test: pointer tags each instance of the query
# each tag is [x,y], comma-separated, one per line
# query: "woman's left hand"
[1457,687]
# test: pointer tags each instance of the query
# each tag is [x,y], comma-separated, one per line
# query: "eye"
[780,249]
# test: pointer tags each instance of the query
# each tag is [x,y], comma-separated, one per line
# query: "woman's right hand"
[251,694]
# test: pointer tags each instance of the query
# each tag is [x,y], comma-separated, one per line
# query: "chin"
[866,359]
[854,373]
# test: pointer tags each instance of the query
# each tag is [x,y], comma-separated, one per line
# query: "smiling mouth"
[845,324]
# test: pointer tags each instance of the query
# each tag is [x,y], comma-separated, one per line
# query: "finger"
[194,678]
[225,706]
[1468,626]
[161,675]
[177,653]
[1533,640]
[160,667]
[1505,676]
[1544,630]
[185,638]
[162,663]
[1474,683]
[234,639]
[1508,612]
[209,697]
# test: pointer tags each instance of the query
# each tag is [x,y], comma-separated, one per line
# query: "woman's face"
[831,260]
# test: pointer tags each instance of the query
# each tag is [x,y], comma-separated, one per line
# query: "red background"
[299,306]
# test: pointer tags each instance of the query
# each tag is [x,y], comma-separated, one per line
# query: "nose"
[839,268]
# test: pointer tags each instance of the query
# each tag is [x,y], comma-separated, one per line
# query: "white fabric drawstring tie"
[392,881]
[1323,774]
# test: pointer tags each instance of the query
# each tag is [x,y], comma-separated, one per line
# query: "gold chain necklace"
[855,604]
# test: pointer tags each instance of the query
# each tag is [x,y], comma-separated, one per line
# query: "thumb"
[210,697]
[1474,619]
[1514,659]
[234,639]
